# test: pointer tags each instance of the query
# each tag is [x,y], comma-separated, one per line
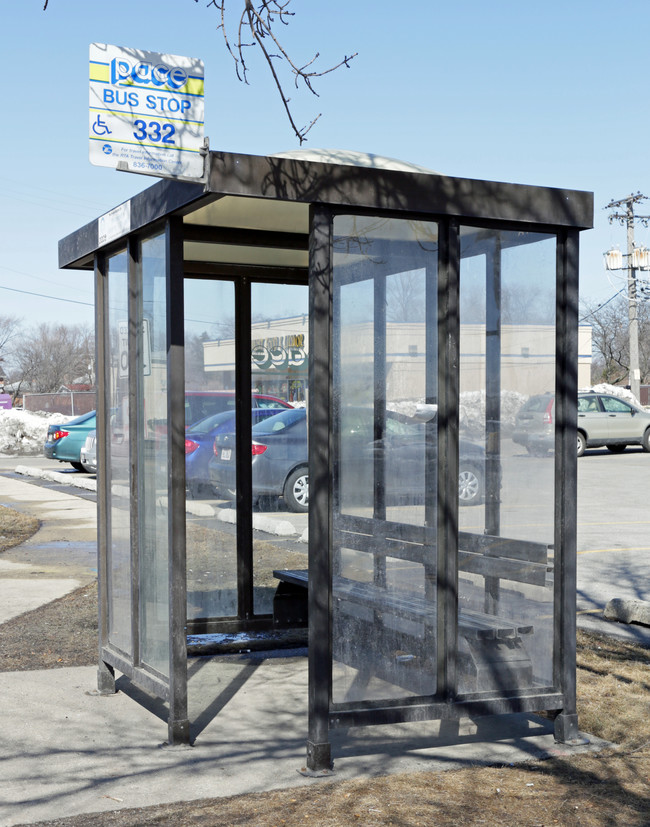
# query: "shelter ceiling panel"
[233,254]
[252,214]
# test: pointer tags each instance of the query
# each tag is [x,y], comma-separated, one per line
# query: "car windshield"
[210,422]
[537,403]
[359,422]
[280,421]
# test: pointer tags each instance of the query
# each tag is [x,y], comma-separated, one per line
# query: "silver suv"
[612,422]
[603,421]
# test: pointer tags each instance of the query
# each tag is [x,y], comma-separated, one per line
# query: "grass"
[15,528]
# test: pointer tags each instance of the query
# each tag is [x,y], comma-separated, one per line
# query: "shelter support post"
[105,672]
[178,720]
[319,758]
[566,722]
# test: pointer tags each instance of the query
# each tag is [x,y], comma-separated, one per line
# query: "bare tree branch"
[259,20]
[610,340]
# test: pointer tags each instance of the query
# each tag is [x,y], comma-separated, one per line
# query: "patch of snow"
[24,432]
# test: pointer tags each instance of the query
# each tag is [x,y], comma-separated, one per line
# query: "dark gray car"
[280,459]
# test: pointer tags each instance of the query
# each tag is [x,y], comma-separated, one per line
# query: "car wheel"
[645,442]
[616,449]
[195,489]
[78,466]
[537,452]
[296,490]
[582,444]
[470,487]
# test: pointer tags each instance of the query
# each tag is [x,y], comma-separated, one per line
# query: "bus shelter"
[398,319]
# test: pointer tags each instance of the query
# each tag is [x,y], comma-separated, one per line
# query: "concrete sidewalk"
[66,750]
[59,558]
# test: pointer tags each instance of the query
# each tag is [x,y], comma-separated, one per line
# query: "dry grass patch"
[15,528]
[614,690]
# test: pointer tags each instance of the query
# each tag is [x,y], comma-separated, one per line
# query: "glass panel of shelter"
[153,459]
[279,449]
[211,540]
[507,355]
[385,461]
[119,522]
[223,583]
[137,549]
[385,458]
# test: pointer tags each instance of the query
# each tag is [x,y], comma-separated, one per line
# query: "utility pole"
[628,218]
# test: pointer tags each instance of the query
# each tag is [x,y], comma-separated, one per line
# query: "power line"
[36,278]
[44,296]
[600,306]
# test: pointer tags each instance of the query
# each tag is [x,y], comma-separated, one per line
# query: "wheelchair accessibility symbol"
[100,127]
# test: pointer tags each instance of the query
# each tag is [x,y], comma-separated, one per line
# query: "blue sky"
[546,93]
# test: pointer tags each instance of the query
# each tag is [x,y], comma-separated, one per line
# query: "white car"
[88,454]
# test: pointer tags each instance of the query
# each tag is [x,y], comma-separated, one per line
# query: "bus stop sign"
[146,112]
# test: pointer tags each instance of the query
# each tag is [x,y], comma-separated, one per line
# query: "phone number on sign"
[146,165]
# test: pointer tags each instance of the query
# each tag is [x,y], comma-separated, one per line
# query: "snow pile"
[472,410]
[24,432]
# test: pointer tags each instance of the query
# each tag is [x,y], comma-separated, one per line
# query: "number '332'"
[154,131]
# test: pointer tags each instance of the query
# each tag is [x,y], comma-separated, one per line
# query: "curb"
[261,522]
[628,611]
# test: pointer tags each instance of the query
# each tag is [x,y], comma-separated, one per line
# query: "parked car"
[604,420]
[612,422]
[534,424]
[280,460]
[199,444]
[64,442]
[202,404]
[279,457]
[88,454]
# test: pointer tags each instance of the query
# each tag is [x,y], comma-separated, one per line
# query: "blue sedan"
[199,444]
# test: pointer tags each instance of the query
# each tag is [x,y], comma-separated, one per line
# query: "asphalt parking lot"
[613,522]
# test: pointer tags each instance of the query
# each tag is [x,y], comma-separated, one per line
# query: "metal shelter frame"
[275,219]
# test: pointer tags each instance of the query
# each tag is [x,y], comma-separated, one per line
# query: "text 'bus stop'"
[355,338]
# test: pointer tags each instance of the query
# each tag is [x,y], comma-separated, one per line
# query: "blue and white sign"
[146,112]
